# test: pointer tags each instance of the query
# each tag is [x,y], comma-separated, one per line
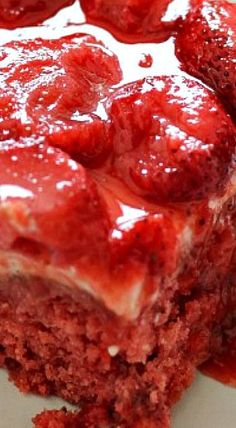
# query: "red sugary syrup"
[146,61]
[20,13]
[137,21]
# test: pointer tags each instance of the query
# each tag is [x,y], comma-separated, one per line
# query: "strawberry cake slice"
[113,290]
[117,229]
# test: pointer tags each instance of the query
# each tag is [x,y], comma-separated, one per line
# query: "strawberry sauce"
[20,13]
[146,61]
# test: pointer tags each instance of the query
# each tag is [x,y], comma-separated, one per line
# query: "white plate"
[208,404]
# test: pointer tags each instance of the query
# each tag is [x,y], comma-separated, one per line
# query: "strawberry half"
[49,199]
[21,13]
[206,46]
[136,20]
[150,240]
[52,89]
[173,141]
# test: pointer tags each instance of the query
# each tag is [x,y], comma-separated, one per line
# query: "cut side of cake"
[117,230]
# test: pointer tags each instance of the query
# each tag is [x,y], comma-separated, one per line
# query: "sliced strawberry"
[52,89]
[50,199]
[21,13]
[173,141]
[136,20]
[150,240]
[206,45]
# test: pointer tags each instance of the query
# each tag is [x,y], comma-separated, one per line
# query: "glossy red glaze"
[51,89]
[211,29]
[20,13]
[172,140]
[146,61]
[136,20]
[48,198]
[148,240]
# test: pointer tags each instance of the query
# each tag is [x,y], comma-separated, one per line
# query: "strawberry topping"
[206,45]
[20,13]
[136,20]
[50,199]
[52,89]
[150,240]
[173,141]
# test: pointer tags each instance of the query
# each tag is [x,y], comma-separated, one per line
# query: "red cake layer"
[62,418]
[117,210]
[146,364]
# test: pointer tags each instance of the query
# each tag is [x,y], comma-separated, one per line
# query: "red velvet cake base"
[93,417]
[72,347]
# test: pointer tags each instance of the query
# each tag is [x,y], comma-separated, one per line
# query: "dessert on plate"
[117,206]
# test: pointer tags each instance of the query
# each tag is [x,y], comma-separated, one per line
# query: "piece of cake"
[117,231]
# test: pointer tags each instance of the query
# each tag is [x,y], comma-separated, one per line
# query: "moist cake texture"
[117,206]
